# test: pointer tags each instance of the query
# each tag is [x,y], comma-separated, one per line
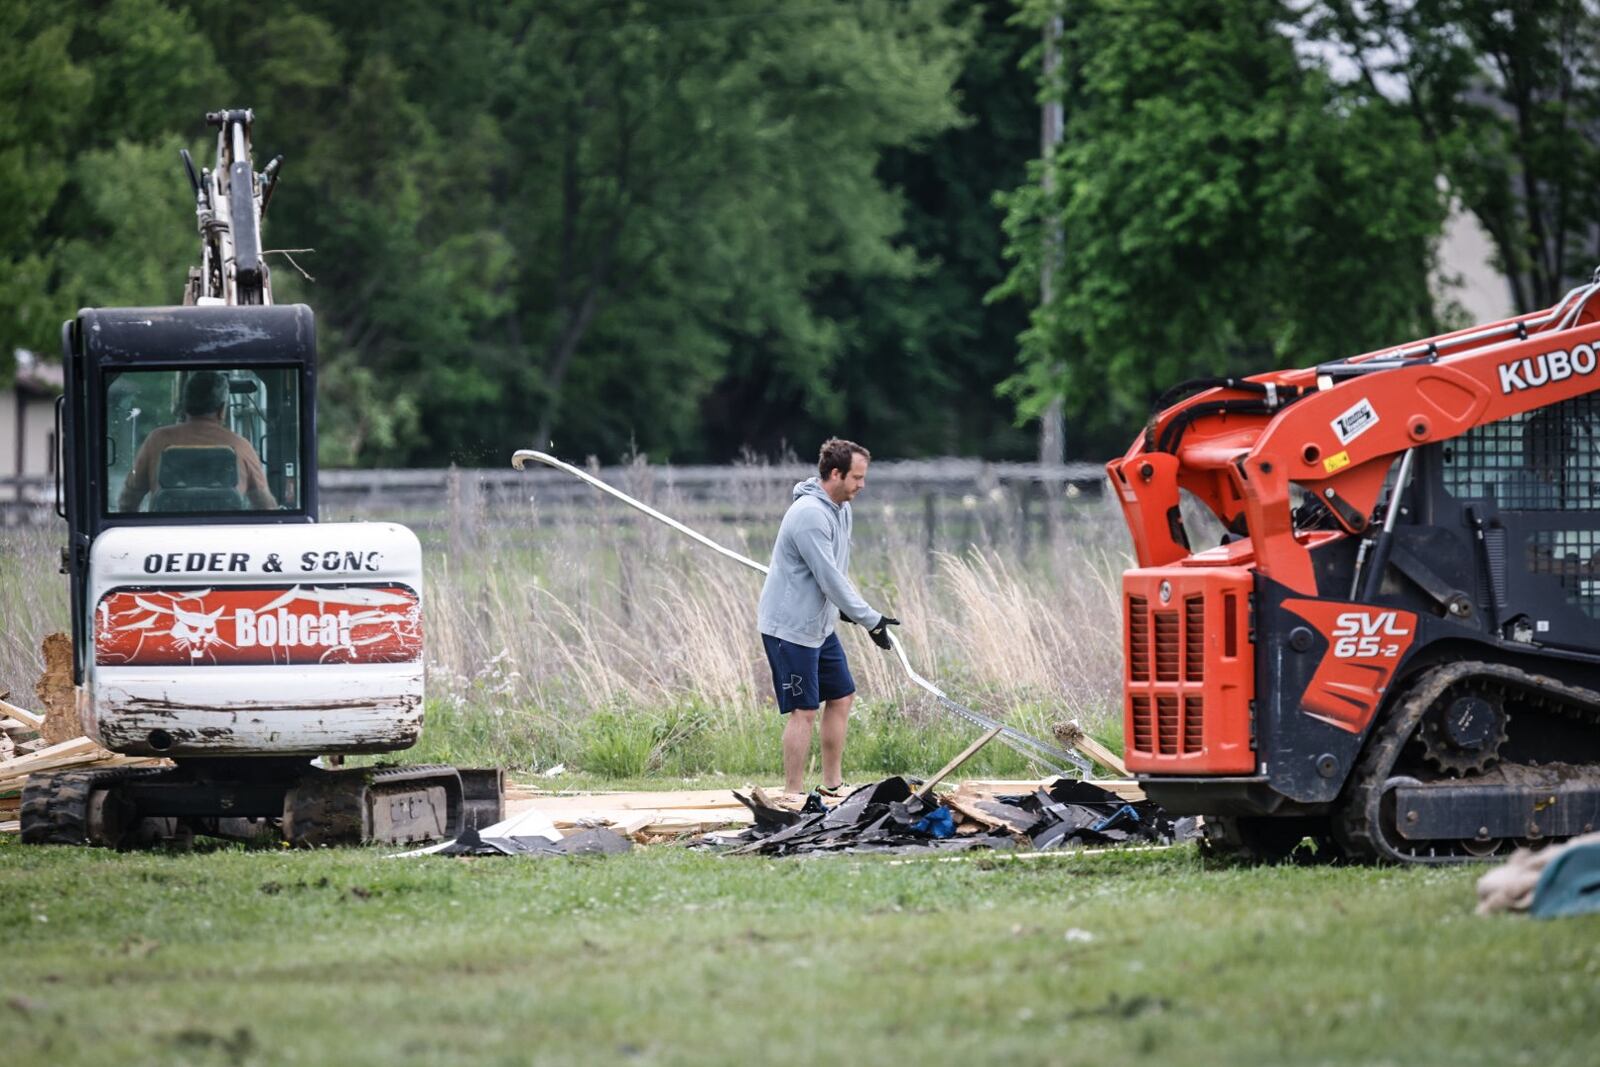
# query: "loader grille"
[1189,687]
[1174,640]
[1167,723]
[1143,724]
[1193,722]
[1166,627]
[1194,639]
[1138,639]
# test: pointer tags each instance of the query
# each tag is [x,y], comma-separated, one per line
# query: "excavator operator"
[205,397]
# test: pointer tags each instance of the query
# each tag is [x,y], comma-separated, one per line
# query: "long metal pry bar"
[1040,751]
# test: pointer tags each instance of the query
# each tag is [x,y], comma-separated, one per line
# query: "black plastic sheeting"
[584,843]
[887,817]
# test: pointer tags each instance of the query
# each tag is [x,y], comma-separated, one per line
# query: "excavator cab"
[193,416]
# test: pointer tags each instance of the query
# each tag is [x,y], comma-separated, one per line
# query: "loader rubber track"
[1362,815]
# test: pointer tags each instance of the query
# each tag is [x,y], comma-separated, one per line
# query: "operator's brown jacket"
[201,430]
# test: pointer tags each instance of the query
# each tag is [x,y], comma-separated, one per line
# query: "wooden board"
[950,768]
[644,816]
[1126,788]
[990,820]
[77,753]
[22,715]
[1101,755]
[45,758]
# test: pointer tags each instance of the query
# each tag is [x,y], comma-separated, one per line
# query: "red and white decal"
[1365,645]
[255,625]
[1369,634]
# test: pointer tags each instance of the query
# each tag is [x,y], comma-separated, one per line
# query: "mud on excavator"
[1366,605]
[214,620]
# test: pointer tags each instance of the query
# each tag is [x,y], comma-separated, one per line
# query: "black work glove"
[880,632]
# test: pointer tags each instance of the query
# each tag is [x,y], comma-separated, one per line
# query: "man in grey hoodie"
[807,590]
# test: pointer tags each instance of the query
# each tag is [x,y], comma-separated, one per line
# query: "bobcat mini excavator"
[214,621]
[1389,640]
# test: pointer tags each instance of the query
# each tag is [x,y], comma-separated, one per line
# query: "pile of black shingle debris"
[888,816]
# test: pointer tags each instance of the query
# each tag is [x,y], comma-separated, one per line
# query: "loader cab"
[182,417]
[1531,483]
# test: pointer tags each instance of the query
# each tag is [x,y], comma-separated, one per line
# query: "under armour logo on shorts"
[793,685]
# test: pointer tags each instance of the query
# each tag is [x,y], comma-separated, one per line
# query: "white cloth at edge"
[1509,887]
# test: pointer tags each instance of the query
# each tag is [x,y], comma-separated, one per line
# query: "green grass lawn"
[670,956]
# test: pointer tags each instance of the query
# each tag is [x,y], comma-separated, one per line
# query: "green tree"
[572,220]
[593,222]
[710,177]
[96,209]
[43,96]
[1508,97]
[923,350]
[1221,206]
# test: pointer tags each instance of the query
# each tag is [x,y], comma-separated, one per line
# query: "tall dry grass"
[549,635]
[33,602]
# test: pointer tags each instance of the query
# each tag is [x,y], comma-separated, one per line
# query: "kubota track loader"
[214,621]
[1366,606]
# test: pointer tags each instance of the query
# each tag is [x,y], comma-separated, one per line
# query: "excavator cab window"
[197,440]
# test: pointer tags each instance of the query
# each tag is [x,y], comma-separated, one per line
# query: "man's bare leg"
[797,746]
[835,721]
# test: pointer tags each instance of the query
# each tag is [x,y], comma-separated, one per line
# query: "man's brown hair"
[837,455]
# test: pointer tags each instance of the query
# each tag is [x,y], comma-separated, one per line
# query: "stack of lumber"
[25,752]
[644,817]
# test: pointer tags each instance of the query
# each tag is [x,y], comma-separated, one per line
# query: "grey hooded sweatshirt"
[808,587]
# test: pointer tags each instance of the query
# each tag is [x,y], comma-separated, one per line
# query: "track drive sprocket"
[1461,732]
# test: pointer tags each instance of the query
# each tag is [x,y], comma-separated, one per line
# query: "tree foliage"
[1217,206]
[567,219]
[694,227]
[1507,96]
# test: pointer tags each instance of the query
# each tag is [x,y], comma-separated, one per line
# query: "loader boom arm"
[1335,430]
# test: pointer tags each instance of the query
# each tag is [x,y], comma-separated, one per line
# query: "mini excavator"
[1366,607]
[215,622]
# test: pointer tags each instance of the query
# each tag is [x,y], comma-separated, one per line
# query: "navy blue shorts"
[806,677]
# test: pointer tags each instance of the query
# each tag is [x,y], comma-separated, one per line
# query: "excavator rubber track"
[61,808]
[124,807]
[375,805]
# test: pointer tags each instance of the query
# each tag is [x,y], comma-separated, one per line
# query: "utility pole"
[1052,425]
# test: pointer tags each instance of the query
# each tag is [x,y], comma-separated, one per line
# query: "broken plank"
[46,757]
[1073,734]
[10,710]
[950,768]
[1102,755]
[988,816]
[11,780]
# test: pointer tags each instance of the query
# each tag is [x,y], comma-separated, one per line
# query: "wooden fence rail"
[753,492]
